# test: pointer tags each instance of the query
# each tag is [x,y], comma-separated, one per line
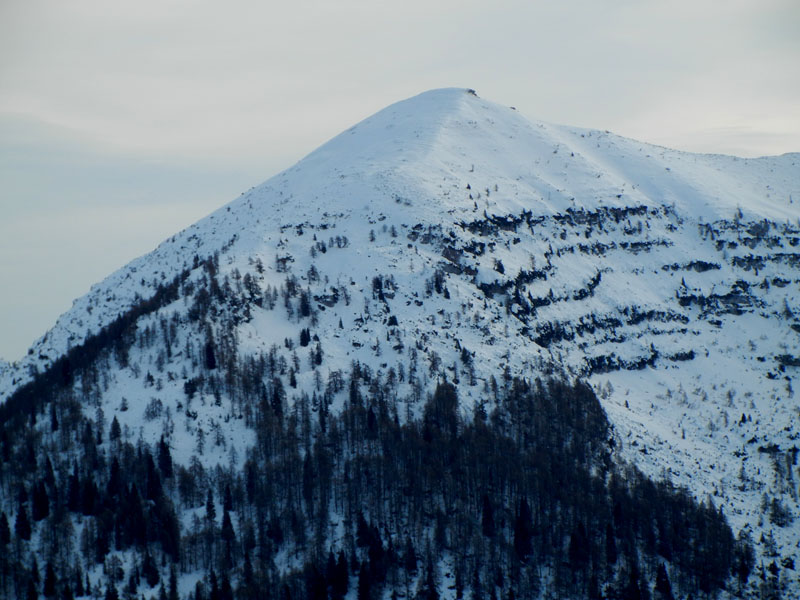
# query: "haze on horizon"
[121,125]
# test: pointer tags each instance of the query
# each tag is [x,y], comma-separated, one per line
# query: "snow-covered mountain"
[450,236]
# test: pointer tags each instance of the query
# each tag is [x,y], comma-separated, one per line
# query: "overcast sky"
[123,122]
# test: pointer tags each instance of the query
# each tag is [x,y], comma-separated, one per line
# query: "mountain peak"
[406,134]
[439,258]
[445,140]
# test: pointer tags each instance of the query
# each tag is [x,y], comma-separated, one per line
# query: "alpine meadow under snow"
[450,353]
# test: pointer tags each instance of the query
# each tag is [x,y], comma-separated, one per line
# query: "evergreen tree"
[487,517]
[631,589]
[49,474]
[53,418]
[79,591]
[5,532]
[523,531]
[410,557]
[364,590]
[41,502]
[74,501]
[579,547]
[164,458]
[611,546]
[35,576]
[305,304]
[225,589]
[22,526]
[30,590]
[211,511]
[133,583]
[213,593]
[316,584]
[173,585]
[209,352]
[49,589]
[339,578]
[150,570]
[743,558]
[227,533]
[227,499]
[663,589]
[330,568]
[114,482]
[111,592]
[153,489]
[115,432]
[429,590]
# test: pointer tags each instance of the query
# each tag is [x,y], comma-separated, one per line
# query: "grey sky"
[121,123]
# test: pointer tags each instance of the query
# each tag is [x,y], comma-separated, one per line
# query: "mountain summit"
[442,271]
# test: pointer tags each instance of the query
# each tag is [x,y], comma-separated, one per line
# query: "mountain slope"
[448,238]
[429,148]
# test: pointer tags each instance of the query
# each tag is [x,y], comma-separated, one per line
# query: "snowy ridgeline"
[447,239]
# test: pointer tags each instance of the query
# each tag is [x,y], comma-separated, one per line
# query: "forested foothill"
[525,499]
